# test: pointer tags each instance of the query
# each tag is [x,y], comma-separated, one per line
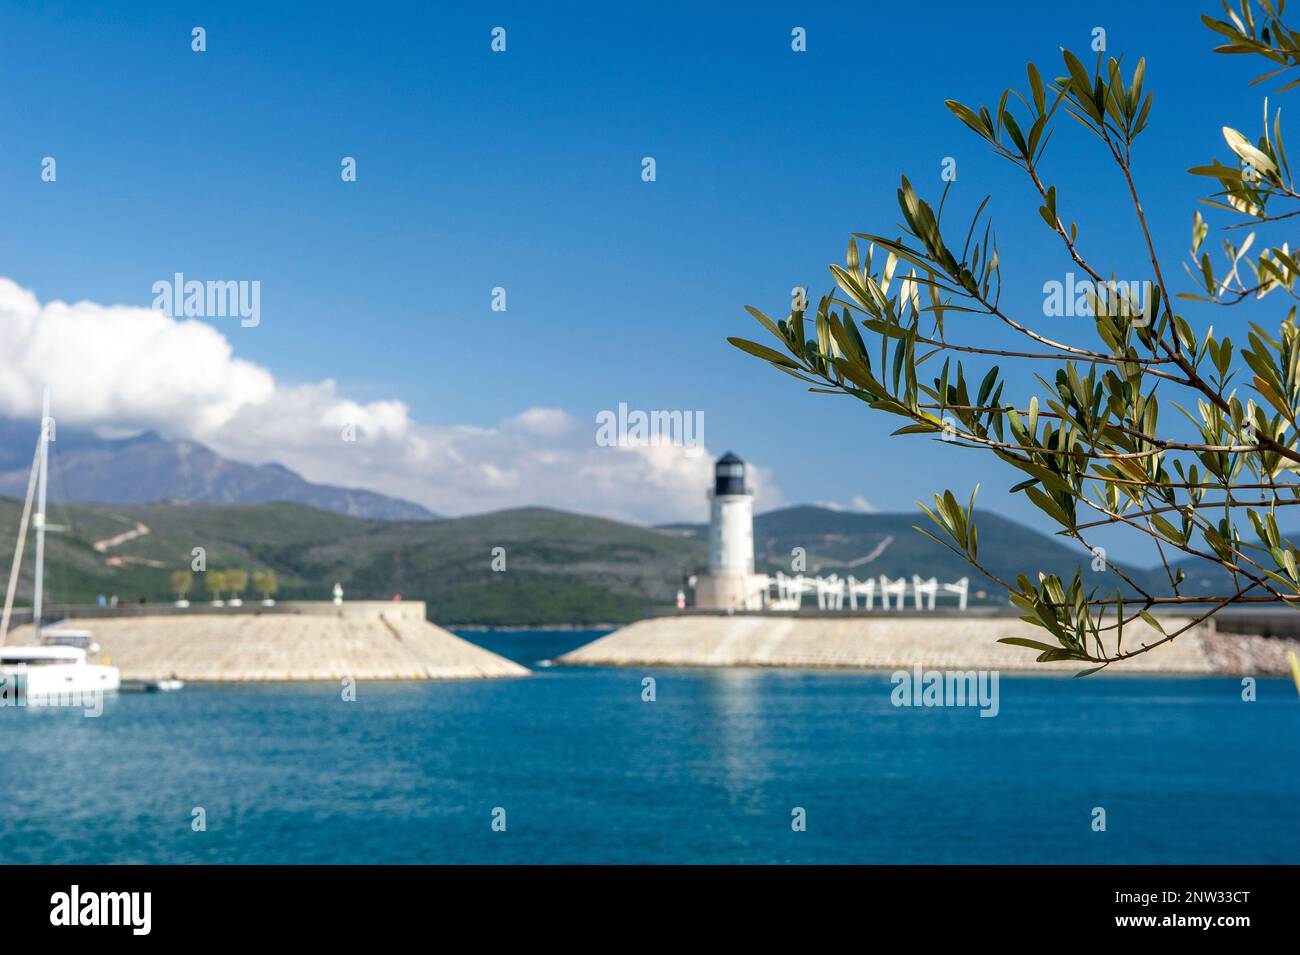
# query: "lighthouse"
[730,583]
[731,521]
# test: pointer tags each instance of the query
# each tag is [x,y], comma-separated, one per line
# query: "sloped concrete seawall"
[895,643]
[378,641]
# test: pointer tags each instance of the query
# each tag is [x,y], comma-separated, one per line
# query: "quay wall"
[901,641]
[364,640]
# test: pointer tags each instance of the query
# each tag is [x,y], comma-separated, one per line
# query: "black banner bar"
[179,903]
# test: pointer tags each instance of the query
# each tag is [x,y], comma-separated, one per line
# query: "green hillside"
[561,568]
[871,544]
[836,540]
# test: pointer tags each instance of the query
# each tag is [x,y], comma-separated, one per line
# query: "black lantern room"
[729,476]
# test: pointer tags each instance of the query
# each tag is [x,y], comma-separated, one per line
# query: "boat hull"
[49,683]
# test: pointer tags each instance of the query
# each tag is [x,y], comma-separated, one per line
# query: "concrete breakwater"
[901,642]
[301,641]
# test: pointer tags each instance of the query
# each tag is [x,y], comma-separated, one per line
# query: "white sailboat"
[54,666]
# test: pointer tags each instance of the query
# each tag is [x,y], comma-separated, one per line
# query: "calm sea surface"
[708,773]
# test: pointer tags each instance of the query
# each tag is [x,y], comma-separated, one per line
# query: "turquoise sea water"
[707,773]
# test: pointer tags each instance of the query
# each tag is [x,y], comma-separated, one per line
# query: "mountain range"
[149,467]
[134,509]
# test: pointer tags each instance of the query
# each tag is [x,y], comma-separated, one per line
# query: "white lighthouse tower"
[731,521]
[730,583]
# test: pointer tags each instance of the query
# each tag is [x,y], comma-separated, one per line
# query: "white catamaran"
[55,665]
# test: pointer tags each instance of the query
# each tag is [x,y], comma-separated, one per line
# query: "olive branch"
[1092,447]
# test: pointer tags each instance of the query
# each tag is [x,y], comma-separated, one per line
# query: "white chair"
[961,588]
[799,586]
[830,593]
[924,588]
[898,588]
[786,596]
[864,588]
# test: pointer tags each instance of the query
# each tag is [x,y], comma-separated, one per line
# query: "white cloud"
[544,421]
[122,368]
[856,503]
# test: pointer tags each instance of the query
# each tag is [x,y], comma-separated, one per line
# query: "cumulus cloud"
[120,369]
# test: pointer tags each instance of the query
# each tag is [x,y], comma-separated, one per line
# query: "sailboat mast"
[16,567]
[39,516]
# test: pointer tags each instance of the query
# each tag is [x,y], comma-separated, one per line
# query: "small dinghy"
[152,686]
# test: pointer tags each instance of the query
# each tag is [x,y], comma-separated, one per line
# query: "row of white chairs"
[831,592]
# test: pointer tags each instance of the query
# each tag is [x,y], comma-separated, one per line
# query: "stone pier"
[364,640]
[903,641]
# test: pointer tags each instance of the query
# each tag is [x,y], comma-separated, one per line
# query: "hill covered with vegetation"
[871,544]
[559,567]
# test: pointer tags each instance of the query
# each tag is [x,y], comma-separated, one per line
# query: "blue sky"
[522,170]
